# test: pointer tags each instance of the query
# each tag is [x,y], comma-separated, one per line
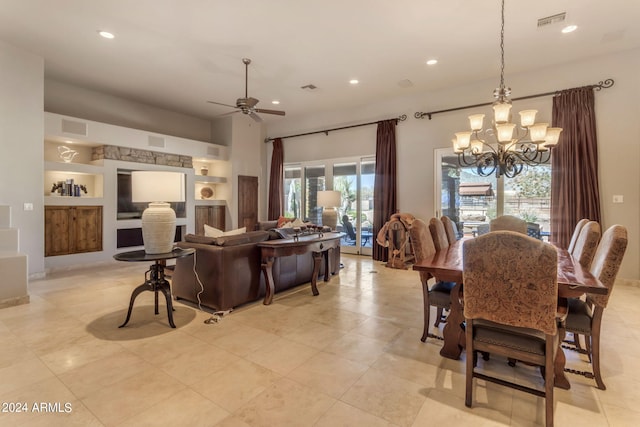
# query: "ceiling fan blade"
[228,114]
[251,102]
[255,117]
[276,112]
[220,103]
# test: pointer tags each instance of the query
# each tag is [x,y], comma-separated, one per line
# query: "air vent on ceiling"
[76,128]
[553,19]
[156,141]
[309,87]
[213,151]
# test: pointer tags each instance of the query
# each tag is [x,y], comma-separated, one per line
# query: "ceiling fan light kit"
[247,105]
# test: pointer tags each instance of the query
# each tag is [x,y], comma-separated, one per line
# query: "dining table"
[447,265]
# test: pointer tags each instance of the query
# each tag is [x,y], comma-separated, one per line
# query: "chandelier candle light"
[158,220]
[531,145]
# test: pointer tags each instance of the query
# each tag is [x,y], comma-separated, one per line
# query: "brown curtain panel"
[574,178]
[276,181]
[384,191]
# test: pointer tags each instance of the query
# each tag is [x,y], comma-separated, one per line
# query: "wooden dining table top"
[573,279]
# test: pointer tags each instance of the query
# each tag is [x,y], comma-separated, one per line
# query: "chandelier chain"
[502,49]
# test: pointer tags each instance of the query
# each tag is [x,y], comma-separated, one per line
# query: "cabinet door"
[57,223]
[87,229]
[213,216]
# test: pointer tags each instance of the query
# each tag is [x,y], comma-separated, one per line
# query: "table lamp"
[158,220]
[329,200]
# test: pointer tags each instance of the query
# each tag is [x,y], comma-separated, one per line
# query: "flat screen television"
[129,210]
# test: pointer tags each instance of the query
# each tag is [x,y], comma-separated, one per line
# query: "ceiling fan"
[247,105]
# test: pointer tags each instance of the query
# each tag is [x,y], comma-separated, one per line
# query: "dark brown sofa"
[230,270]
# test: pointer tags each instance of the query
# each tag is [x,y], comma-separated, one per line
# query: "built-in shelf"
[210,179]
[73,201]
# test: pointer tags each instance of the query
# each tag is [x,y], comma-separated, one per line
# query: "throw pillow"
[297,222]
[212,231]
[236,231]
[283,220]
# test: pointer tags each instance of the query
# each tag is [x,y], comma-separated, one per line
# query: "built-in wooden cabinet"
[72,229]
[213,216]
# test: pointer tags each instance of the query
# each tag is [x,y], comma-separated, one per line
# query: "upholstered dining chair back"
[508,222]
[585,317]
[438,234]
[607,260]
[503,285]
[576,233]
[510,305]
[450,228]
[439,295]
[587,243]
[421,240]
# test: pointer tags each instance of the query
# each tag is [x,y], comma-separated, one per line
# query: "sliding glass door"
[353,178]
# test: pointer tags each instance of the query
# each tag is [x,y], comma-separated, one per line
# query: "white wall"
[617,112]
[74,101]
[21,139]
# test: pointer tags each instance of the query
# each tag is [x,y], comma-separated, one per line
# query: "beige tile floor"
[348,357]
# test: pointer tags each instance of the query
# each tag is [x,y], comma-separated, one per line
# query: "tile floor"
[348,357]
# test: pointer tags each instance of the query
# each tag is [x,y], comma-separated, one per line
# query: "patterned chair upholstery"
[440,293]
[585,317]
[533,230]
[587,243]
[510,306]
[508,222]
[576,233]
[450,228]
[438,234]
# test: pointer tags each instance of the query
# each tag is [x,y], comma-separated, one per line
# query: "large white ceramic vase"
[158,228]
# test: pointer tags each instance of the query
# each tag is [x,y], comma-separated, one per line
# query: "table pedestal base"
[155,283]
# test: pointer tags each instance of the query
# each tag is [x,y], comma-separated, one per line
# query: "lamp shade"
[157,186]
[158,220]
[329,199]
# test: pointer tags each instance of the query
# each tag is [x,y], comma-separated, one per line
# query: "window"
[471,200]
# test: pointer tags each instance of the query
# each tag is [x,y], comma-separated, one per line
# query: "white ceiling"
[177,54]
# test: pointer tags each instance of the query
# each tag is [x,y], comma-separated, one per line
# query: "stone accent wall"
[112,152]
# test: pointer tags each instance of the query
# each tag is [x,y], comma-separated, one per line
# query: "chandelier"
[508,152]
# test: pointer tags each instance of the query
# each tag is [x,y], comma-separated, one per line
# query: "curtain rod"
[401,118]
[601,85]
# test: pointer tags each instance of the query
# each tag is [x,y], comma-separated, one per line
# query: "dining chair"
[450,228]
[439,295]
[508,222]
[510,306]
[587,243]
[585,317]
[576,233]
[438,234]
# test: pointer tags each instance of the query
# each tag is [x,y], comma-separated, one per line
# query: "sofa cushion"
[266,225]
[234,240]
[194,238]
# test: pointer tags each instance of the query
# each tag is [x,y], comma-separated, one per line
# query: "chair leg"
[595,346]
[588,341]
[438,317]
[549,381]
[427,307]
[471,362]
[576,340]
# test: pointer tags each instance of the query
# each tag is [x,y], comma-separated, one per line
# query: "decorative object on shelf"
[204,171]
[531,146]
[68,188]
[67,154]
[329,201]
[206,192]
[158,220]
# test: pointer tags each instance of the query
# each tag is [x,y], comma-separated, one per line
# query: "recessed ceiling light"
[569,29]
[106,34]
[354,81]
[432,62]
[275,102]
